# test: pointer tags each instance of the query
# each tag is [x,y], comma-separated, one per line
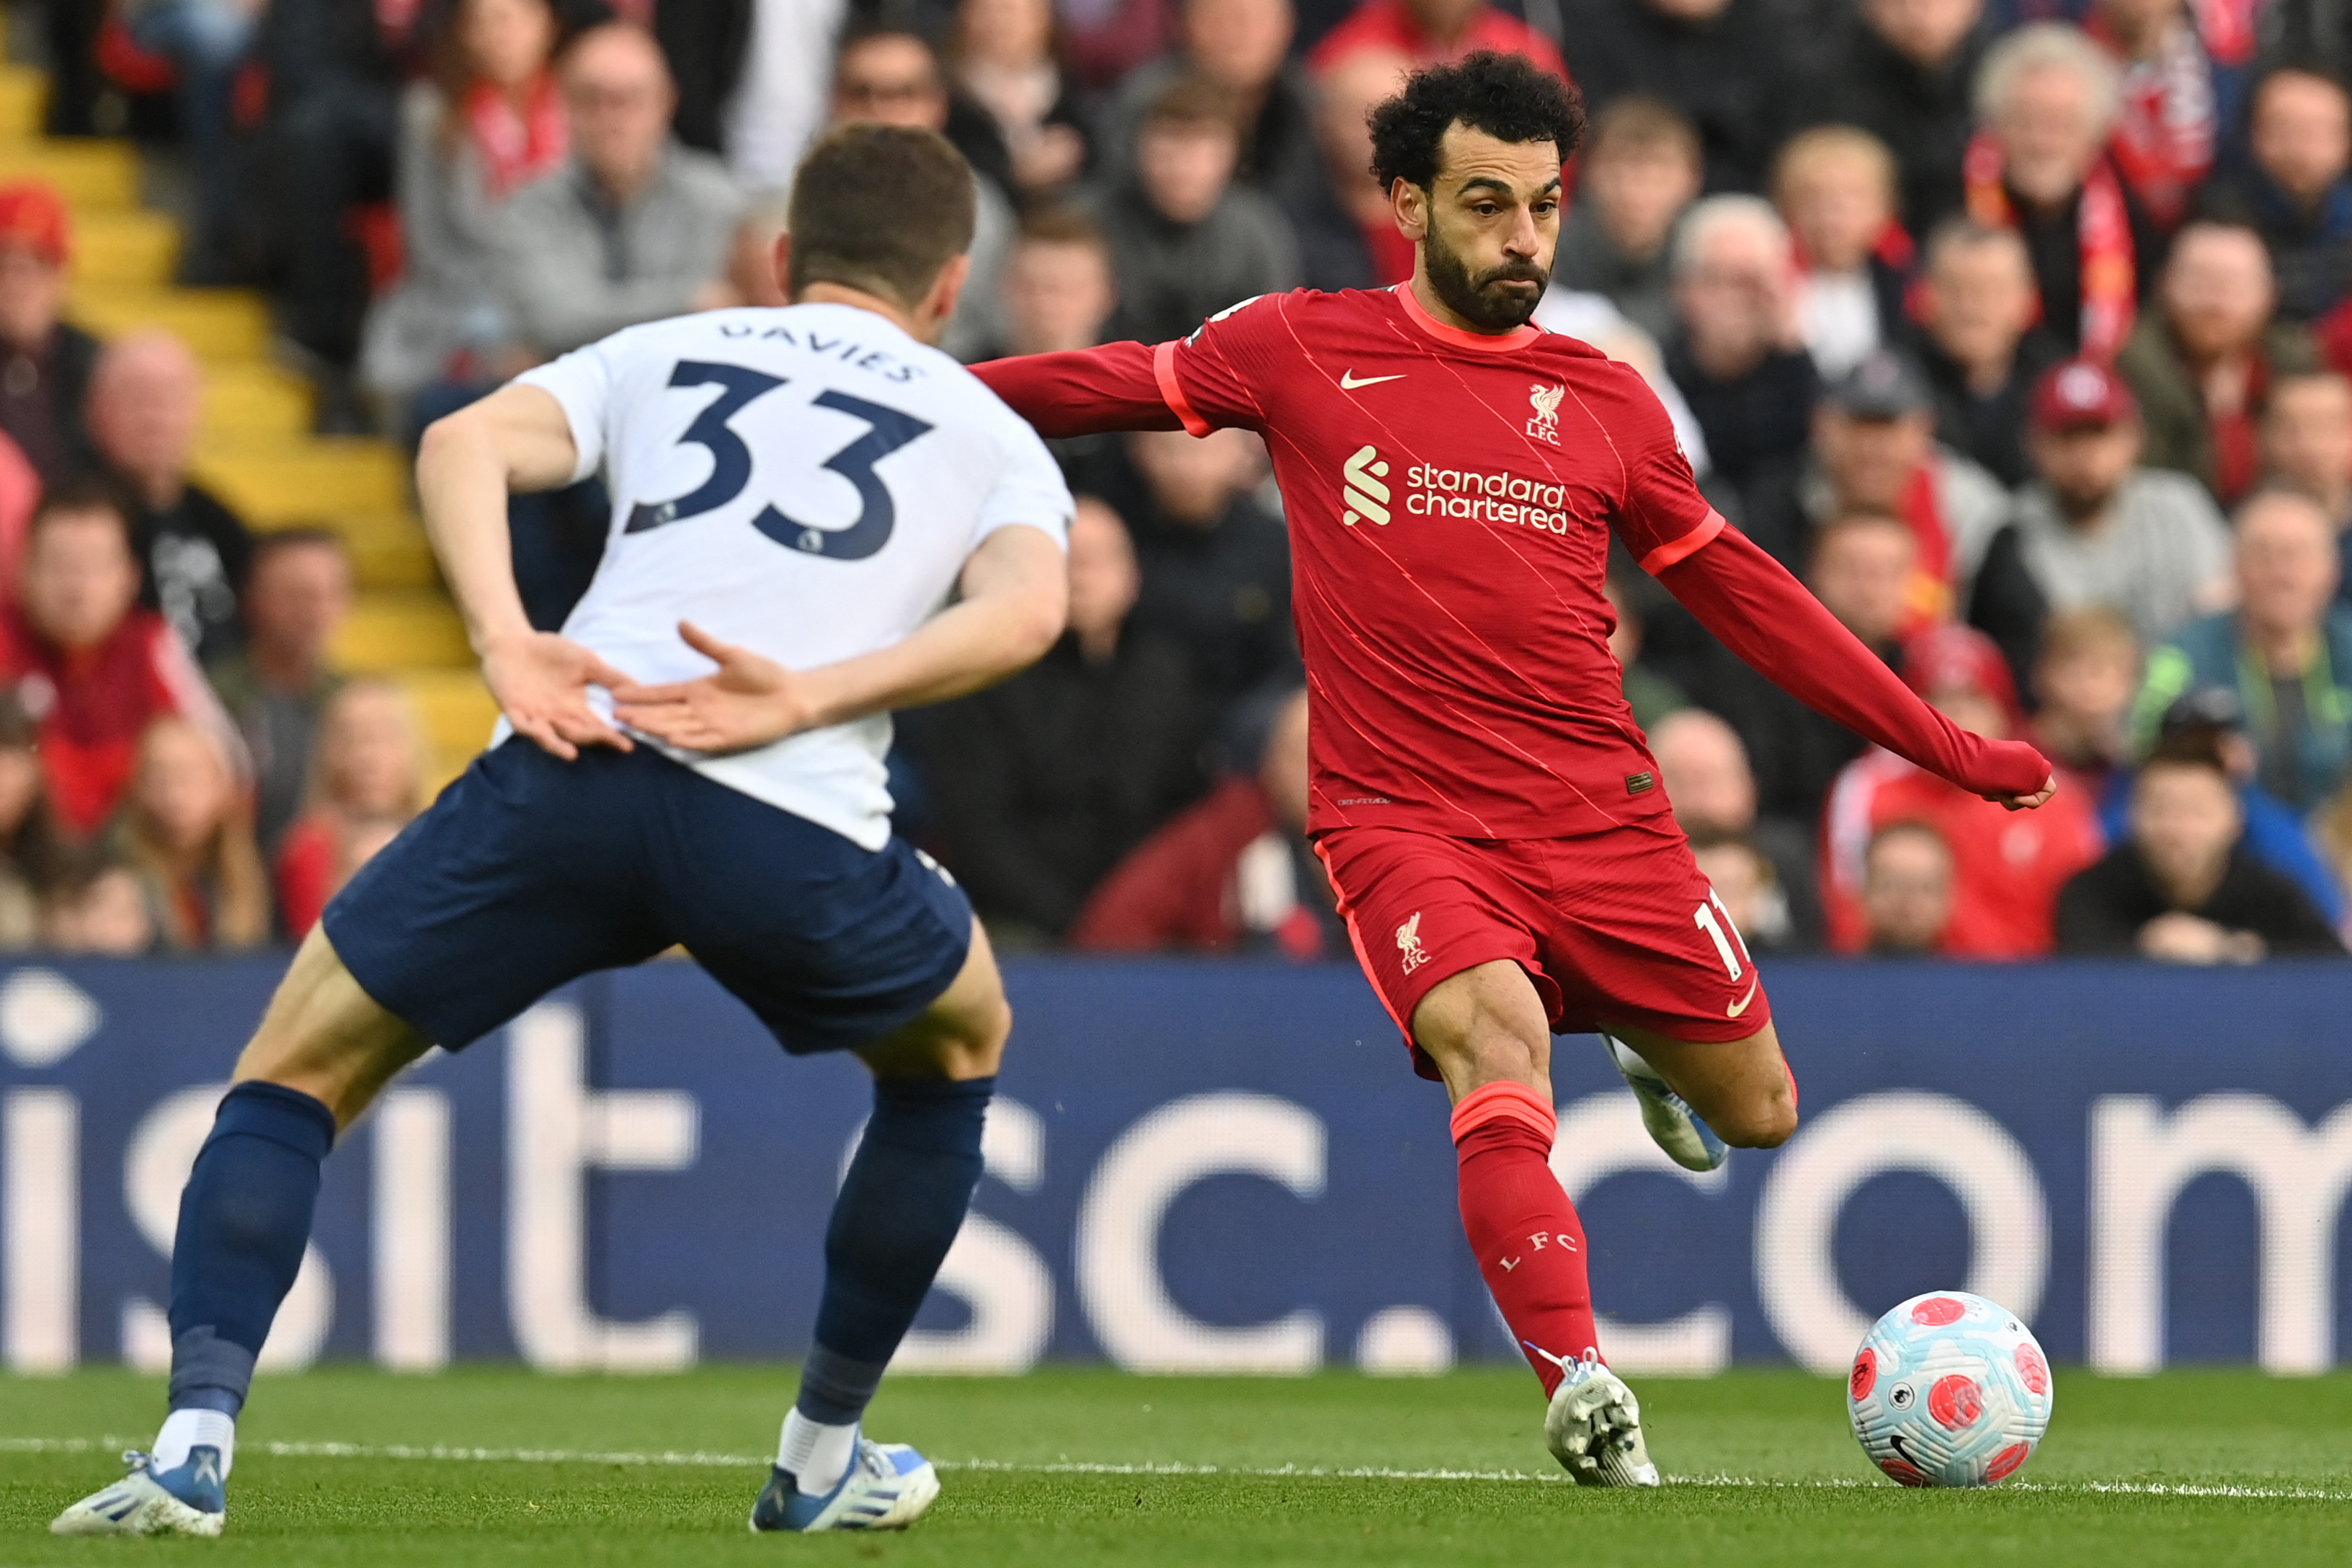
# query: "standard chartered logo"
[1363,492]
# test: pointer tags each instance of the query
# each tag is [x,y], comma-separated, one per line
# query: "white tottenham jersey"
[806,482]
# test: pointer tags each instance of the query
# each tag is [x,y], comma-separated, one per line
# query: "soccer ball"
[1949,1390]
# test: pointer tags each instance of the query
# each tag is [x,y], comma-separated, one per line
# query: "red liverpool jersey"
[1451,498]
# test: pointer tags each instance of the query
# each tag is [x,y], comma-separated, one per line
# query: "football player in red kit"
[1493,821]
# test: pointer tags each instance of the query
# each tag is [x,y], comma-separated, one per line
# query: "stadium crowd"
[2020,329]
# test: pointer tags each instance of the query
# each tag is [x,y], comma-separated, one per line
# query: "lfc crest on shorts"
[1408,940]
[1545,426]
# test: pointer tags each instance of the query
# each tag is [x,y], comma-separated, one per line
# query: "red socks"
[1528,1241]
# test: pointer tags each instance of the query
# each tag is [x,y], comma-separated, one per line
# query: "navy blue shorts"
[530,872]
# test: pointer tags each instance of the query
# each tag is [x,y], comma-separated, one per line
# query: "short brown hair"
[1061,226]
[881,208]
[1193,102]
[1638,123]
[78,497]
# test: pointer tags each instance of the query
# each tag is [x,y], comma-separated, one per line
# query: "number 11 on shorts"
[1728,940]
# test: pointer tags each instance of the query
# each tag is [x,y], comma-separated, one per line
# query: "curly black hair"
[1507,95]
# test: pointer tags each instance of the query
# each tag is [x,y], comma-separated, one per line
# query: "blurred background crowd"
[2020,329]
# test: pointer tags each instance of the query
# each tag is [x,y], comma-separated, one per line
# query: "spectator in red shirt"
[1233,874]
[367,781]
[90,666]
[187,830]
[2007,868]
[1431,32]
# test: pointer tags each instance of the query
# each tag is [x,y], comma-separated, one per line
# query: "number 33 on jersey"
[805,482]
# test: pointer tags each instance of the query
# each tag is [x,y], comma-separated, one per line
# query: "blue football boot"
[888,1487]
[190,1499]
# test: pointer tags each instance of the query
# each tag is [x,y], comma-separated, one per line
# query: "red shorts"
[1617,927]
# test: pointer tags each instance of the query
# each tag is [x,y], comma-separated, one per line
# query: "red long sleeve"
[1084,392]
[1765,616]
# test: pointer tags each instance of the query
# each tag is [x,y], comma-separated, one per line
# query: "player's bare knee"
[1764,1125]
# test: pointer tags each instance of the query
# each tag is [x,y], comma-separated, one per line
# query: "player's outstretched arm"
[1015,598]
[1083,391]
[515,439]
[1765,616]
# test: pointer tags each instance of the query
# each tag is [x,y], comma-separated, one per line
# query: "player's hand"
[749,701]
[541,682]
[2028,802]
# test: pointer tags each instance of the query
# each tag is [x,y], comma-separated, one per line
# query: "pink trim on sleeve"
[1163,371]
[1683,549]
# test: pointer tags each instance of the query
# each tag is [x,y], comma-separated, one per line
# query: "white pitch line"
[706,1459]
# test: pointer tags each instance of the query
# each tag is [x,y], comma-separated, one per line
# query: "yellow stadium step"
[87,173]
[245,399]
[120,248]
[389,550]
[311,480]
[218,323]
[391,632]
[24,99]
[456,712]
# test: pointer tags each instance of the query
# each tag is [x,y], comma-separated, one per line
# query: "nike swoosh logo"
[1350,381]
[1733,1009]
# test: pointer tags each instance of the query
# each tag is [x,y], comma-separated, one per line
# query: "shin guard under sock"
[899,1211]
[1522,1228]
[245,1218]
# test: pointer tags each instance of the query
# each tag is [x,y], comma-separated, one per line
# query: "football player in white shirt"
[695,759]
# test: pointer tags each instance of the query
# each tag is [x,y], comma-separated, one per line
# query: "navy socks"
[245,1219]
[898,1214]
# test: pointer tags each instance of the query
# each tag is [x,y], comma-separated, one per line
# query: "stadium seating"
[257,452]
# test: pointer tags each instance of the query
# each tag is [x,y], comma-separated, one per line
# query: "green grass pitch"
[1072,1466]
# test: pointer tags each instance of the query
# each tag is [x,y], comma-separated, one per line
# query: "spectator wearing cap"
[1705,770]
[2285,650]
[45,362]
[91,665]
[1903,70]
[2164,126]
[1874,449]
[1233,874]
[2182,886]
[1431,32]
[1640,171]
[1738,355]
[2307,447]
[2047,99]
[2212,716]
[1982,344]
[145,398]
[2201,364]
[1908,876]
[2295,187]
[1836,188]
[1185,240]
[1728,66]
[2097,529]
[634,226]
[2007,867]
[889,76]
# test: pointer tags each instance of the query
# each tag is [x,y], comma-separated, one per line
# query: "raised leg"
[1741,1089]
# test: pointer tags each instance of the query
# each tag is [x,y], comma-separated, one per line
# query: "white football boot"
[1594,1427]
[888,1487]
[188,1499]
[1673,1125]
